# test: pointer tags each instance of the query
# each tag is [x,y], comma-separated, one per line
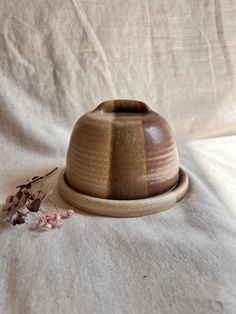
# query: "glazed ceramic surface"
[122,150]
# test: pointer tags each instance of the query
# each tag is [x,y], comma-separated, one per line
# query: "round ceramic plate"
[124,208]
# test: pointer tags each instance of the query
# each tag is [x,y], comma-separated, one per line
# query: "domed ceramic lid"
[123,156]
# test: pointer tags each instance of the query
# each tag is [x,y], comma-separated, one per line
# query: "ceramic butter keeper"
[122,160]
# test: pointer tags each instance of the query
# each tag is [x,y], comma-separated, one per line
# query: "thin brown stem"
[53,205]
[36,180]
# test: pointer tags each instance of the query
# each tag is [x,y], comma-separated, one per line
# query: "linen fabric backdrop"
[59,59]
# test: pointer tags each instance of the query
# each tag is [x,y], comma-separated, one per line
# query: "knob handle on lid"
[125,106]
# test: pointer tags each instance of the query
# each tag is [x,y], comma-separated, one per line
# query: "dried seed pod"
[22,201]
[28,186]
[34,205]
[31,197]
[18,220]
[8,204]
[15,200]
[19,194]
[36,177]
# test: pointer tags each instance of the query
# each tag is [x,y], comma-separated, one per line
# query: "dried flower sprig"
[27,201]
[35,179]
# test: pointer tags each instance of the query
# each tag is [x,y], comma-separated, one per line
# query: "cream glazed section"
[89,153]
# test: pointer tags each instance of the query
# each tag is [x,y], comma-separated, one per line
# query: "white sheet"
[59,59]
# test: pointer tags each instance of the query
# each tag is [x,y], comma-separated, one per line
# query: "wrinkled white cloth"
[59,59]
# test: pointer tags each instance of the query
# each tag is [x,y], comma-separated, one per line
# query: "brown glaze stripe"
[161,154]
[127,163]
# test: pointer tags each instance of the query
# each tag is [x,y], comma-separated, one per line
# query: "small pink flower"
[42,222]
[58,216]
[69,213]
[49,217]
[57,223]
[48,225]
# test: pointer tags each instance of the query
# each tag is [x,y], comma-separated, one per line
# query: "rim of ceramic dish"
[124,208]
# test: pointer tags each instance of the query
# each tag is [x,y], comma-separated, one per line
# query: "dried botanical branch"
[35,179]
[27,201]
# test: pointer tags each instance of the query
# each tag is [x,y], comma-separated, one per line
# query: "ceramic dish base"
[124,208]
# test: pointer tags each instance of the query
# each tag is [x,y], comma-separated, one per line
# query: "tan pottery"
[122,150]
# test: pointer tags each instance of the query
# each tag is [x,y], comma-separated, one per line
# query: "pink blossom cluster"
[28,201]
[51,220]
